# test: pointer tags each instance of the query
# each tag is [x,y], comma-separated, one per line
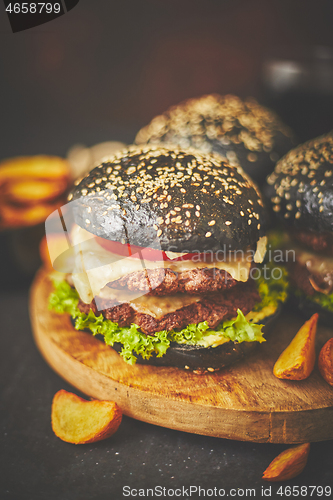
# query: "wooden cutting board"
[243,402]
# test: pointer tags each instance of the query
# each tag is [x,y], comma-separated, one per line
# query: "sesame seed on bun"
[153,195]
[243,131]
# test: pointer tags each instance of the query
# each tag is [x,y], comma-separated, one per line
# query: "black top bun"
[301,187]
[246,133]
[170,199]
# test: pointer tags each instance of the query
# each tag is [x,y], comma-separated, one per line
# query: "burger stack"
[165,243]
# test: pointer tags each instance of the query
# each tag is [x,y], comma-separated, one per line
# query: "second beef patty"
[213,308]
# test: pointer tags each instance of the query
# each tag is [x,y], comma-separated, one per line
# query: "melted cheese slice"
[146,304]
[95,267]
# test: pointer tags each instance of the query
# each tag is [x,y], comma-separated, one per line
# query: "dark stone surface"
[35,464]
[73,83]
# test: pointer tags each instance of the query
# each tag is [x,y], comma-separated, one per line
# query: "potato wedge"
[30,189]
[288,464]
[33,167]
[11,216]
[35,191]
[325,361]
[78,421]
[297,361]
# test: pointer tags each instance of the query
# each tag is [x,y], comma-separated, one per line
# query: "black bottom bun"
[201,359]
[308,308]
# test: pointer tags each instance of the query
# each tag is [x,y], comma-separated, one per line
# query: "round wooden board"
[243,402]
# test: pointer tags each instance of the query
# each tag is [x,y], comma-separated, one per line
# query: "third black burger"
[301,192]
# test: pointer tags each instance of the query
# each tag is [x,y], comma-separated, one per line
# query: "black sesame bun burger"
[301,192]
[243,131]
[165,244]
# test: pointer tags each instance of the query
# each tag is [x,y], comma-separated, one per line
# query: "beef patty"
[168,282]
[213,308]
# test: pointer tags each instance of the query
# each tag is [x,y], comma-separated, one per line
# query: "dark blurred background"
[104,69]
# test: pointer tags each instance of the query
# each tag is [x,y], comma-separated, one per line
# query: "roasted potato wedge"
[297,361]
[11,216]
[288,464]
[33,167]
[31,188]
[325,361]
[34,191]
[78,421]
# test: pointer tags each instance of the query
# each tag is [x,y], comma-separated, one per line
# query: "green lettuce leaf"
[64,299]
[240,330]
[272,291]
[280,239]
